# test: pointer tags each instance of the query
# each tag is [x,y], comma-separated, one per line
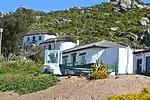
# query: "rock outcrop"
[136,5]
[122,3]
[145,37]
[125,4]
[144,21]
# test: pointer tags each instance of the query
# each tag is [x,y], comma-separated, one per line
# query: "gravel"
[76,88]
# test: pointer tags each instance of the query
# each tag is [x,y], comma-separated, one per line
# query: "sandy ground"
[76,88]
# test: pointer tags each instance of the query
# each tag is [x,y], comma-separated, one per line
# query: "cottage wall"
[107,55]
[62,45]
[43,38]
[125,61]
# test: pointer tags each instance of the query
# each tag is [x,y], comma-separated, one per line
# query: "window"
[49,47]
[33,38]
[82,58]
[40,37]
[28,39]
[64,60]
[53,57]
[73,59]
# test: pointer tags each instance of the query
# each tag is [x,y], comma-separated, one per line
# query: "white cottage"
[53,48]
[36,37]
[58,43]
[142,62]
[110,53]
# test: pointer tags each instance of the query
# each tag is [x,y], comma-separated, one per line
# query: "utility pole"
[1,32]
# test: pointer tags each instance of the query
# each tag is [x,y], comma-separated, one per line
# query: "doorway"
[73,58]
[139,66]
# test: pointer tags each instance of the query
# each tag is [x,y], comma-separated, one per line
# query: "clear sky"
[46,5]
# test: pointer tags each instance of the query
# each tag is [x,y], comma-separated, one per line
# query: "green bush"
[19,66]
[23,83]
[143,95]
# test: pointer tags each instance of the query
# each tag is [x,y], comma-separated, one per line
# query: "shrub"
[19,66]
[26,83]
[143,95]
[99,74]
[146,90]
[99,70]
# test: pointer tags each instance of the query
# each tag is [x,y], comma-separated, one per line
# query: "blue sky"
[46,5]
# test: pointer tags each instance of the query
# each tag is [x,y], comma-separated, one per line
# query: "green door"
[73,58]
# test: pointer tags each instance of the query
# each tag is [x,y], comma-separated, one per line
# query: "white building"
[36,37]
[53,48]
[58,43]
[142,62]
[109,52]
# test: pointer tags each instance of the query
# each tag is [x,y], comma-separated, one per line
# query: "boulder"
[122,3]
[136,5]
[116,9]
[146,6]
[125,3]
[131,37]
[144,21]
[114,1]
[145,37]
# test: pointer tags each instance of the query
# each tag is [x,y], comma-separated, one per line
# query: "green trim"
[82,54]
[64,56]
[74,54]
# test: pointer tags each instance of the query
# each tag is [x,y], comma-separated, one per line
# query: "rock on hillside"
[129,3]
[145,37]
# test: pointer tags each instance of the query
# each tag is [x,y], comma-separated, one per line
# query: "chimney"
[78,42]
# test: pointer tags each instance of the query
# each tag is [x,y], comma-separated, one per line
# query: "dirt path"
[82,89]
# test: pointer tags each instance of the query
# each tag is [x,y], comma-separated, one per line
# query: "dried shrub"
[99,70]
[143,95]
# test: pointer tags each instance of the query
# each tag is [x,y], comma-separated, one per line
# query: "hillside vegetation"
[89,24]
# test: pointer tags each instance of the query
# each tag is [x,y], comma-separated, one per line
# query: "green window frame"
[82,58]
[65,60]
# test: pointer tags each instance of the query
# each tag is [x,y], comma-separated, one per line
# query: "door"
[73,58]
[148,65]
[139,66]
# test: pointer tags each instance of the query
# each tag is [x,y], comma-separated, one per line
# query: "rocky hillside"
[122,21]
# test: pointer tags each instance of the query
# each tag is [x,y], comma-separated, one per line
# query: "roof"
[143,51]
[37,32]
[58,39]
[101,44]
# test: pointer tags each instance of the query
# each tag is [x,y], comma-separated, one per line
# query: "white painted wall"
[62,45]
[108,55]
[54,66]
[43,38]
[130,62]
[46,36]
[121,57]
[125,61]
